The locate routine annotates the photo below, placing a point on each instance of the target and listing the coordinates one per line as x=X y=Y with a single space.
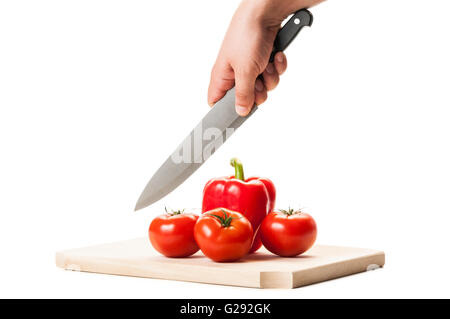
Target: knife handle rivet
x=297 y=21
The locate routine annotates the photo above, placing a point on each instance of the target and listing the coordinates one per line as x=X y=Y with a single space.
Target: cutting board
x=137 y=258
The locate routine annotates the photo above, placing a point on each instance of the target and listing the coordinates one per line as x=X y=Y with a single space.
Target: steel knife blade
x=213 y=130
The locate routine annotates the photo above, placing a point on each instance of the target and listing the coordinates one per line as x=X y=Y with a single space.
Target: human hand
x=245 y=52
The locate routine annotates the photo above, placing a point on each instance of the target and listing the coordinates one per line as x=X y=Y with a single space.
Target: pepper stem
x=238 y=168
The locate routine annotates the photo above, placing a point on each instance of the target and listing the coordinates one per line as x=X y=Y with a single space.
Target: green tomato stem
x=290 y=211
x=173 y=212
x=225 y=220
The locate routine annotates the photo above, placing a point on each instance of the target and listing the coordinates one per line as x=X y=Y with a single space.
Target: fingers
x=274 y=70
x=280 y=62
x=222 y=80
x=271 y=77
x=245 y=91
x=249 y=88
x=260 y=92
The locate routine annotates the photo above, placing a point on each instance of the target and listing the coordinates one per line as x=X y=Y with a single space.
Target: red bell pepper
x=253 y=197
x=270 y=187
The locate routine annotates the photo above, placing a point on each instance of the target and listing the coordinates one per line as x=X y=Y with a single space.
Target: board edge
x=338 y=269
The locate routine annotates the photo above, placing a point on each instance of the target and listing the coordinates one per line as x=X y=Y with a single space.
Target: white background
x=94 y=95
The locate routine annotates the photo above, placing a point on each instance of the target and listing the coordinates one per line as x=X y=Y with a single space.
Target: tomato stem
x=225 y=221
x=238 y=168
x=290 y=211
x=173 y=212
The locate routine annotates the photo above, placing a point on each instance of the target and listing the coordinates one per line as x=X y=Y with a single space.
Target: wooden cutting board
x=137 y=258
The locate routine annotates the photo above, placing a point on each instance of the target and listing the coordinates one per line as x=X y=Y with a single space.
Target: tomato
x=288 y=233
x=223 y=235
x=172 y=234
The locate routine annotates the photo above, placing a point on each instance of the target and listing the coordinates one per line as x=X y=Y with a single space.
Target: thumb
x=245 y=91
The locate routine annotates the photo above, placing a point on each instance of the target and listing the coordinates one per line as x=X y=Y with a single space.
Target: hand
x=245 y=53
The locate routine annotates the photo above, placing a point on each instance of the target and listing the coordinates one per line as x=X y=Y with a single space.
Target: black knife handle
x=289 y=31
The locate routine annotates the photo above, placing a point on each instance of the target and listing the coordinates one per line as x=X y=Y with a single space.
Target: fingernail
x=280 y=58
x=270 y=69
x=259 y=86
x=241 y=110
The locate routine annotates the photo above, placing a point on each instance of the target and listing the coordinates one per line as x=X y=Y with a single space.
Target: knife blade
x=213 y=130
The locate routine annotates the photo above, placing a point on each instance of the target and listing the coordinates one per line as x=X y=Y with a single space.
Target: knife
x=213 y=130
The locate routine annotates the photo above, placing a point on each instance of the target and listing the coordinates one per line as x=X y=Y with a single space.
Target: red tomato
x=172 y=234
x=288 y=233
x=223 y=235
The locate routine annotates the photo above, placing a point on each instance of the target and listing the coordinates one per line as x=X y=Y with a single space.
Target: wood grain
x=137 y=258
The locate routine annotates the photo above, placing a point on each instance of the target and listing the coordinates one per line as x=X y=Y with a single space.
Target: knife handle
x=284 y=37
x=289 y=31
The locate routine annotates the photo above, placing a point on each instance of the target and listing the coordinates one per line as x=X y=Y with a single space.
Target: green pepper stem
x=238 y=168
